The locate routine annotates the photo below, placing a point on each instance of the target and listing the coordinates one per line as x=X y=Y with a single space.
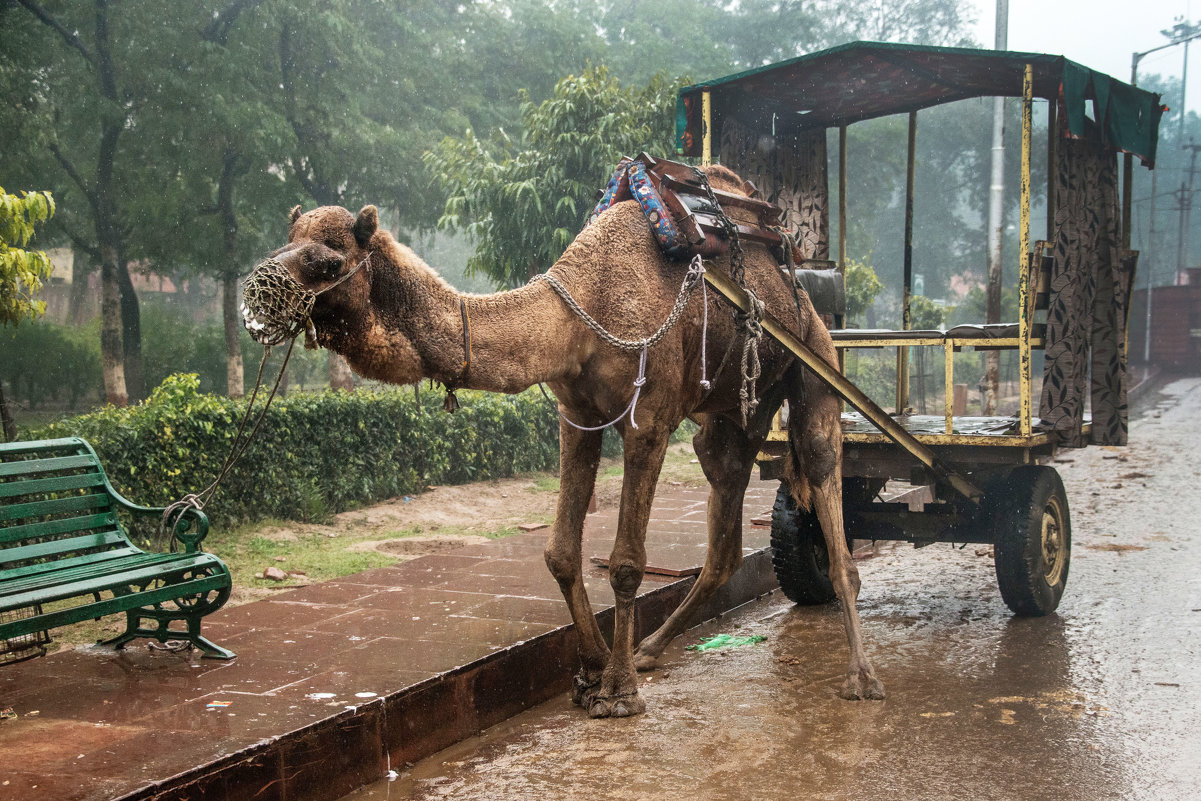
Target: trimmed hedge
x=317 y=453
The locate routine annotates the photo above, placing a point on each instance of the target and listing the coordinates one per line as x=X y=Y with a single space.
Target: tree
x=82 y=103
x=524 y=201
x=21 y=270
x=862 y=288
x=207 y=210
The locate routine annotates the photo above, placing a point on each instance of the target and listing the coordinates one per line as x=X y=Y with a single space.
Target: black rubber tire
x=798 y=553
x=1032 y=546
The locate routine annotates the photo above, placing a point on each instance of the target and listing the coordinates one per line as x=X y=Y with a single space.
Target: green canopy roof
x=863 y=80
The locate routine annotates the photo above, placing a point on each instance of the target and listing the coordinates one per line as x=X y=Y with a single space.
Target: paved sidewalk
x=335 y=682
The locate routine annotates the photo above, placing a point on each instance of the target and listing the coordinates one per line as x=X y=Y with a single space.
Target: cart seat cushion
x=825 y=289
x=859 y=334
x=991 y=331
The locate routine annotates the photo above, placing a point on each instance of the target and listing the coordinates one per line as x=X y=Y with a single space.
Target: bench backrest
x=55 y=507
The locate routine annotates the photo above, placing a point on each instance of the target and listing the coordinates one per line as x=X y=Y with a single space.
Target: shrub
x=47 y=364
x=316 y=453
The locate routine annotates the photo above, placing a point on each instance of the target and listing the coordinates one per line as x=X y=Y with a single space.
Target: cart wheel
x=798 y=552
x=1033 y=539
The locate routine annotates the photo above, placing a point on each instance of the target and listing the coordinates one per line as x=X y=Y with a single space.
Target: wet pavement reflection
x=1098 y=701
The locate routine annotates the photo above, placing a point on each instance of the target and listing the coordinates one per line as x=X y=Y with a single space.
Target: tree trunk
x=131 y=334
x=78 y=309
x=112 y=356
x=235 y=380
x=234 y=377
x=6 y=419
x=991 y=383
x=340 y=376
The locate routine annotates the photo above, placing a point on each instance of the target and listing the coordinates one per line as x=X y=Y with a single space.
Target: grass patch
x=500 y=534
x=544 y=483
x=319 y=556
x=680 y=465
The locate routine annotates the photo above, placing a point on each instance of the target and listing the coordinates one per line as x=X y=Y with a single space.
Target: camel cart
x=948 y=477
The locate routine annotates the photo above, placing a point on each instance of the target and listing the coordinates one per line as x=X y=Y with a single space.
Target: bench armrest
x=191 y=525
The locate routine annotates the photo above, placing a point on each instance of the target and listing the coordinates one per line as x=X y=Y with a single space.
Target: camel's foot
x=862 y=685
x=645 y=659
x=617 y=706
x=584 y=688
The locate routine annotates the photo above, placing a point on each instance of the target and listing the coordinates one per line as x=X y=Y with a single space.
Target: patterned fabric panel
x=1110 y=413
x=617 y=189
x=664 y=227
x=790 y=171
x=1090 y=287
x=630 y=181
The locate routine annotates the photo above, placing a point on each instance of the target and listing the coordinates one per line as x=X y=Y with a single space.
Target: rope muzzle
x=275 y=307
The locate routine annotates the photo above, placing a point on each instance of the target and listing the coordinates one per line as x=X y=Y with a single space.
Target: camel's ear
x=294 y=215
x=365 y=225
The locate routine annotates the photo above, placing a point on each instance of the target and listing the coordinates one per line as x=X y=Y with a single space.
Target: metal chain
x=750 y=323
x=691 y=278
x=737 y=265
x=695 y=275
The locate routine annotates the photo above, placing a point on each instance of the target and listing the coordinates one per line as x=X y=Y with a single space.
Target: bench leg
x=162 y=632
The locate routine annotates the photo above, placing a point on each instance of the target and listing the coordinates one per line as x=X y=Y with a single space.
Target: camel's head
x=318 y=275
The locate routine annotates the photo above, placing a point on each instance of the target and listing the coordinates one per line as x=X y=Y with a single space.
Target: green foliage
x=53 y=366
x=971 y=308
x=523 y=202
x=175 y=344
x=47 y=364
x=925 y=314
x=863 y=286
x=22 y=271
x=316 y=453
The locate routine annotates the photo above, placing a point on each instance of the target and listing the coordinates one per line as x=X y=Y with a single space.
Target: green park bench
x=65 y=557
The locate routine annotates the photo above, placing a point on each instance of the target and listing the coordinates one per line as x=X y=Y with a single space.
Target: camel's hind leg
x=644 y=450
x=726 y=454
x=579 y=456
x=816 y=436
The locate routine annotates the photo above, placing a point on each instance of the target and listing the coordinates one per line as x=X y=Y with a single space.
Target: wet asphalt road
x=1099 y=701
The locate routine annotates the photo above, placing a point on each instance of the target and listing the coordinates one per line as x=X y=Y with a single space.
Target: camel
x=395 y=320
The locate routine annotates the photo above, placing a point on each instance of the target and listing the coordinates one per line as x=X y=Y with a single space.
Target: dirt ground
x=447 y=517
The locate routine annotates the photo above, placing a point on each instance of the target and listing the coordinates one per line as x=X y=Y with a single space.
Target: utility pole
x=996 y=206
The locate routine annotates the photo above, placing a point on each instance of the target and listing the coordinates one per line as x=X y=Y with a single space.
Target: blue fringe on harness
x=630 y=181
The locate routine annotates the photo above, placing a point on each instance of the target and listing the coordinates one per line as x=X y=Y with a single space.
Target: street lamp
x=1181 y=33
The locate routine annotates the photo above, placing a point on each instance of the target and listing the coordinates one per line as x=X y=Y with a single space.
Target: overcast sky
x=1101 y=34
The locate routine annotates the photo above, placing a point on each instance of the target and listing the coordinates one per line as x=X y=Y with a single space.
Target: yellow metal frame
x=1023 y=343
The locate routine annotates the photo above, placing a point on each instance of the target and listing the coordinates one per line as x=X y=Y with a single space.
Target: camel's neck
x=413 y=329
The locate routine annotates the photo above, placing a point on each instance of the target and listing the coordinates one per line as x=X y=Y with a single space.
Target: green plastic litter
x=724 y=641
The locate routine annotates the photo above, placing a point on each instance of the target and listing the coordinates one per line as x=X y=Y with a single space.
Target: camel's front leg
x=579 y=455
x=726 y=455
x=644 y=451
